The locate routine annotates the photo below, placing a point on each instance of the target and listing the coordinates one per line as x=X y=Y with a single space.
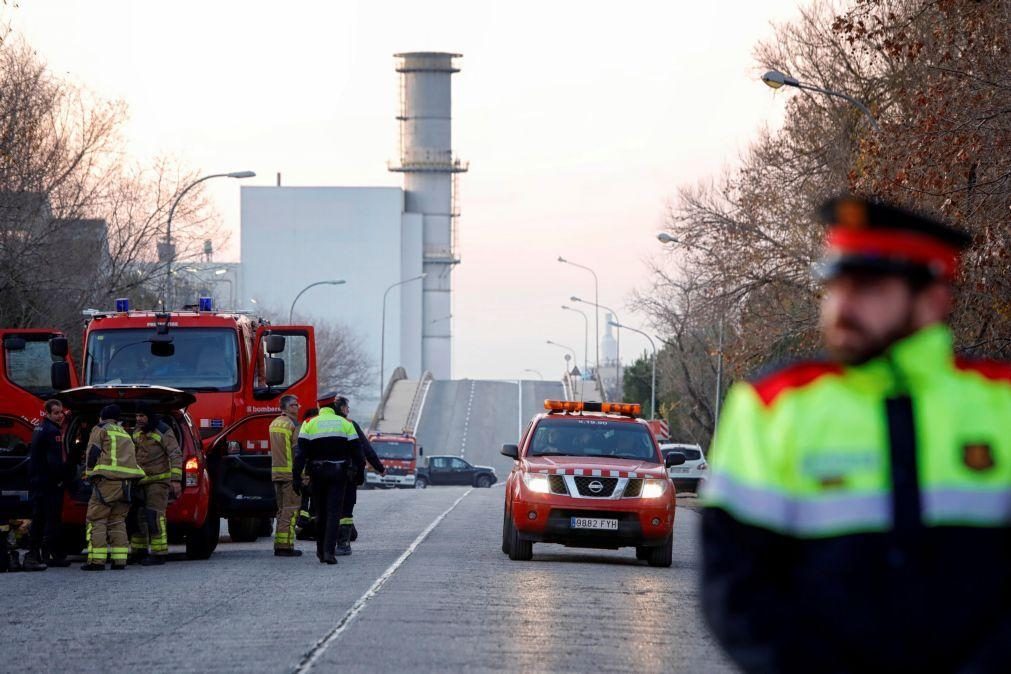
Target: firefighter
x=47 y=471
x=328 y=446
x=159 y=456
x=858 y=512
x=283 y=432
x=112 y=469
x=347 y=532
x=305 y=525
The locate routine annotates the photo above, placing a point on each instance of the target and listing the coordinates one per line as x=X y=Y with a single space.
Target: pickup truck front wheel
x=421 y=483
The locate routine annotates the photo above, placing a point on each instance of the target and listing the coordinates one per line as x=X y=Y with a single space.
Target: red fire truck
x=236 y=366
x=399 y=454
x=26 y=371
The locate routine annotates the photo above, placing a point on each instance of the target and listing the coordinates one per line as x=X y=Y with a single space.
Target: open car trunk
x=86 y=403
x=15 y=440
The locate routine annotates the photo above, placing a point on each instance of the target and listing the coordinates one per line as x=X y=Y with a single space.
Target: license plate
x=679 y=470
x=593 y=523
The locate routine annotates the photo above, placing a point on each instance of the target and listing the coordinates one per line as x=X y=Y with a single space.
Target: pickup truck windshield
x=402 y=451
x=205 y=359
x=593 y=438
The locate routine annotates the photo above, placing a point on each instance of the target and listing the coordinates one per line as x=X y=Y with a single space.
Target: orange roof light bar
x=624 y=409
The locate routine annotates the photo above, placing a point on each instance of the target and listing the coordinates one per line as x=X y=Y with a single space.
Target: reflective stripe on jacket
x=117 y=459
x=158 y=454
x=282 y=437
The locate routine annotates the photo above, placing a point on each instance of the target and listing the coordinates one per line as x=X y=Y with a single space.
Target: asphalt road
x=473 y=419
x=455 y=603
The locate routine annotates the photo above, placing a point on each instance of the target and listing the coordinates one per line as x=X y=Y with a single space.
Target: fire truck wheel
x=244 y=529
x=664 y=555
x=201 y=541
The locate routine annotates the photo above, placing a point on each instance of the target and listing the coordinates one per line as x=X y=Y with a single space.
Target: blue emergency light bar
x=205 y=304
x=122 y=305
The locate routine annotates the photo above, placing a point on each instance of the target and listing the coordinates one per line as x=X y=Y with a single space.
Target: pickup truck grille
x=634 y=488
x=606 y=486
x=557 y=483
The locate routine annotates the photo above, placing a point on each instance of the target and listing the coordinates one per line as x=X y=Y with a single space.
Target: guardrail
x=418 y=403
x=398 y=374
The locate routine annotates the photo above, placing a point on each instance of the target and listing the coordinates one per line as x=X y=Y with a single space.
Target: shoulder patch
x=794 y=376
x=993 y=370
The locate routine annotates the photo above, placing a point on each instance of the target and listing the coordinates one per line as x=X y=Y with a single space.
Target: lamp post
x=536 y=372
x=596 y=298
x=169 y=249
x=617 y=342
x=586 y=337
x=382 y=336
x=775 y=79
x=291 y=311
x=652 y=386
x=664 y=237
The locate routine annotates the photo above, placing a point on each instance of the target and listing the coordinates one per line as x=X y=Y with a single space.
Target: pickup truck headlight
x=538 y=484
x=654 y=488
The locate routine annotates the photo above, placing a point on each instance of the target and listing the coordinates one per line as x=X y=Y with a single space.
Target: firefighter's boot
x=343 y=541
x=54 y=558
x=33 y=561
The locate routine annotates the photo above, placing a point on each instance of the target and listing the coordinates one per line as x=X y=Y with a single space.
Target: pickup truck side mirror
x=674 y=459
x=59 y=375
x=512 y=451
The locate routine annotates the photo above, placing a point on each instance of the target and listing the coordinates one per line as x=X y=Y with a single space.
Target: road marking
x=466 y=421
x=310 y=658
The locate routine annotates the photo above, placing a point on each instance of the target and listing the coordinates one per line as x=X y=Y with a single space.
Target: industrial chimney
x=430 y=172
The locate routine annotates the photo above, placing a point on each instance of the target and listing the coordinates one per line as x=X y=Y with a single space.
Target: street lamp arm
x=652 y=409
x=291 y=311
x=828 y=92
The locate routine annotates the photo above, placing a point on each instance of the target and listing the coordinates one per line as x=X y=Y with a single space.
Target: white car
x=692 y=471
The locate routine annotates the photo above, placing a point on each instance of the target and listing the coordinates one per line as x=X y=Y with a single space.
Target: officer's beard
x=869 y=343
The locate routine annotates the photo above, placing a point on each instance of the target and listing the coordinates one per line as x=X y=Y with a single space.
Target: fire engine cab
x=399 y=454
x=589 y=474
x=236 y=367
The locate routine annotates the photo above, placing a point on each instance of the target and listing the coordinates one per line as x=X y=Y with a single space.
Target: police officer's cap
x=869 y=235
x=327 y=398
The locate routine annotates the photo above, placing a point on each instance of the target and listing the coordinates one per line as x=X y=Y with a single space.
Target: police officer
x=112 y=469
x=347 y=532
x=858 y=513
x=47 y=471
x=328 y=446
x=283 y=432
x=159 y=456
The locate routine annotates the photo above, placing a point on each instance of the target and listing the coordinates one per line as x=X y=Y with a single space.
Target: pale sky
x=579 y=119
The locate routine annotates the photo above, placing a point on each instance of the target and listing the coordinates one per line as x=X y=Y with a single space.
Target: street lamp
x=169 y=250
x=664 y=237
x=291 y=311
x=652 y=386
x=775 y=79
x=586 y=337
x=382 y=337
x=568 y=348
x=536 y=372
x=596 y=297
x=617 y=341
x=437 y=320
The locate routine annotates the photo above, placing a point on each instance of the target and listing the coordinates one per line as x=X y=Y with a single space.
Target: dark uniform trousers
x=47 y=505
x=329 y=481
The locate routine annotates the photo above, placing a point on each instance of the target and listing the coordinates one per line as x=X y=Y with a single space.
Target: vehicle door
x=285 y=365
x=460 y=472
x=439 y=470
x=15 y=440
x=239 y=464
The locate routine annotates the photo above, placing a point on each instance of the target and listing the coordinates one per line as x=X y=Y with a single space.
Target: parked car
x=446 y=470
x=693 y=471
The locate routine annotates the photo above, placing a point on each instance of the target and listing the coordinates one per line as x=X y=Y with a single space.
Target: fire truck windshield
x=402 y=451
x=205 y=359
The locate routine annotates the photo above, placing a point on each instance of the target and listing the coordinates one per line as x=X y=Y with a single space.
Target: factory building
x=397 y=244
